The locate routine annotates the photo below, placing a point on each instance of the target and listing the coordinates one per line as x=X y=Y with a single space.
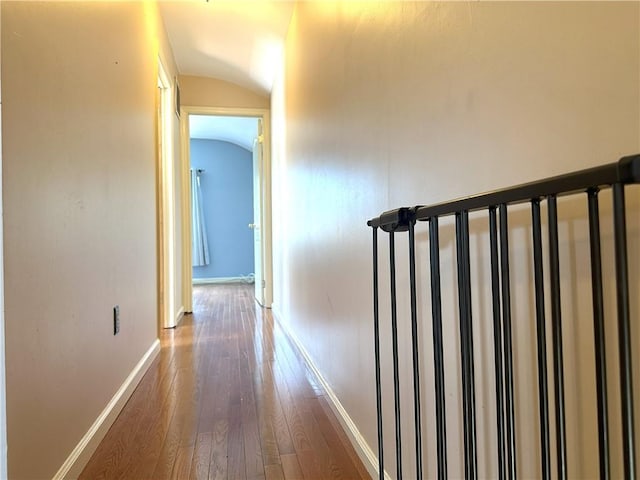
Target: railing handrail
x=625 y=171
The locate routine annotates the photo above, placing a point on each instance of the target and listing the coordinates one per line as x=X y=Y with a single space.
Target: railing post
x=510 y=439
x=556 y=319
x=438 y=356
x=497 y=340
x=394 y=340
x=414 y=344
x=599 y=332
x=376 y=335
x=624 y=331
x=543 y=394
x=466 y=343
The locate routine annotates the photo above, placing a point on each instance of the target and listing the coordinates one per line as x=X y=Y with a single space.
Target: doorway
x=166 y=204
x=233 y=242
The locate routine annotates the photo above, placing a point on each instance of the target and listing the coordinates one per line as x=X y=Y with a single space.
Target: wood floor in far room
x=227 y=398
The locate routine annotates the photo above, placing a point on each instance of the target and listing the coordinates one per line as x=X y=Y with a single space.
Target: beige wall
x=212 y=92
x=392 y=104
x=79 y=89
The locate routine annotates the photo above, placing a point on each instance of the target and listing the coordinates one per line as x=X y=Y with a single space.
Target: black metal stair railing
x=586 y=182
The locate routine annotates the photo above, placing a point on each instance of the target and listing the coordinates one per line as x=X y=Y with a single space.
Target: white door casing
x=265 y=197
x=257 y=215
x=166 y=214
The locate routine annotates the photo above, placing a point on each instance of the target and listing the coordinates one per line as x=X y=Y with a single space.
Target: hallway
x=227 y=398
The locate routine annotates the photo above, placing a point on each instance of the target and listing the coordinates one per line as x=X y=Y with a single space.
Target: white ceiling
x=239 y=130
x=239 y=41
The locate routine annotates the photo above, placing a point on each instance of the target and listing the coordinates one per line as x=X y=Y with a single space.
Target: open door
x=257 y=214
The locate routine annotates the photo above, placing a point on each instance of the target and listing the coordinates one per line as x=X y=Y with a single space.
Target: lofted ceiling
x=238 y=130
x=239 y=41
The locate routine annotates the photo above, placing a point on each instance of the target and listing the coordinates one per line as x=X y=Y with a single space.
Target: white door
x=257 y=214
x=166 y=219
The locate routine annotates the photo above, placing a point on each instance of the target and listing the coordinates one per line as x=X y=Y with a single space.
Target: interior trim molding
x=77 y=460
x=362 y=448
x=267 y=253
x=207 y=281
x=179 y=315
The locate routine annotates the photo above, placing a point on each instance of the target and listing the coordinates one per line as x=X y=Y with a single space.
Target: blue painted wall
x=227 y=196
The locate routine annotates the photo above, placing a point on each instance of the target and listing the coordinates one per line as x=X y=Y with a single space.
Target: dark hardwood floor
x=227 y=398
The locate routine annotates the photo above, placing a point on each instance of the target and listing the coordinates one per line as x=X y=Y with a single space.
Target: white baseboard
x=80 y=455
x=179 y=315
x=367 y=456
x=207 y=281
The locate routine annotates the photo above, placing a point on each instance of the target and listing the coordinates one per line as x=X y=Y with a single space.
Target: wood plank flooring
x=227 y=398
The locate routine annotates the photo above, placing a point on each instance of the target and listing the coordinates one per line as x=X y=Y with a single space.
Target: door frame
x=185 y=157
x=165 y=182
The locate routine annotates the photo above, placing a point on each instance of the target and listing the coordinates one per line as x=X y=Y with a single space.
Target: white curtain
x=199 y=244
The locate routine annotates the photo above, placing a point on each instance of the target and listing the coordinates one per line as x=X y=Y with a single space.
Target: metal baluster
x=497 y=338
x=463 y=345
x=624 y=331
x=510 y=439
x=438 y=357
x=414 y=344
x=556 y=319
x=541 y=335
x=470 y=358
x=466 y=342
x=394 y=340
x=599 y=333
x=376 y=334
